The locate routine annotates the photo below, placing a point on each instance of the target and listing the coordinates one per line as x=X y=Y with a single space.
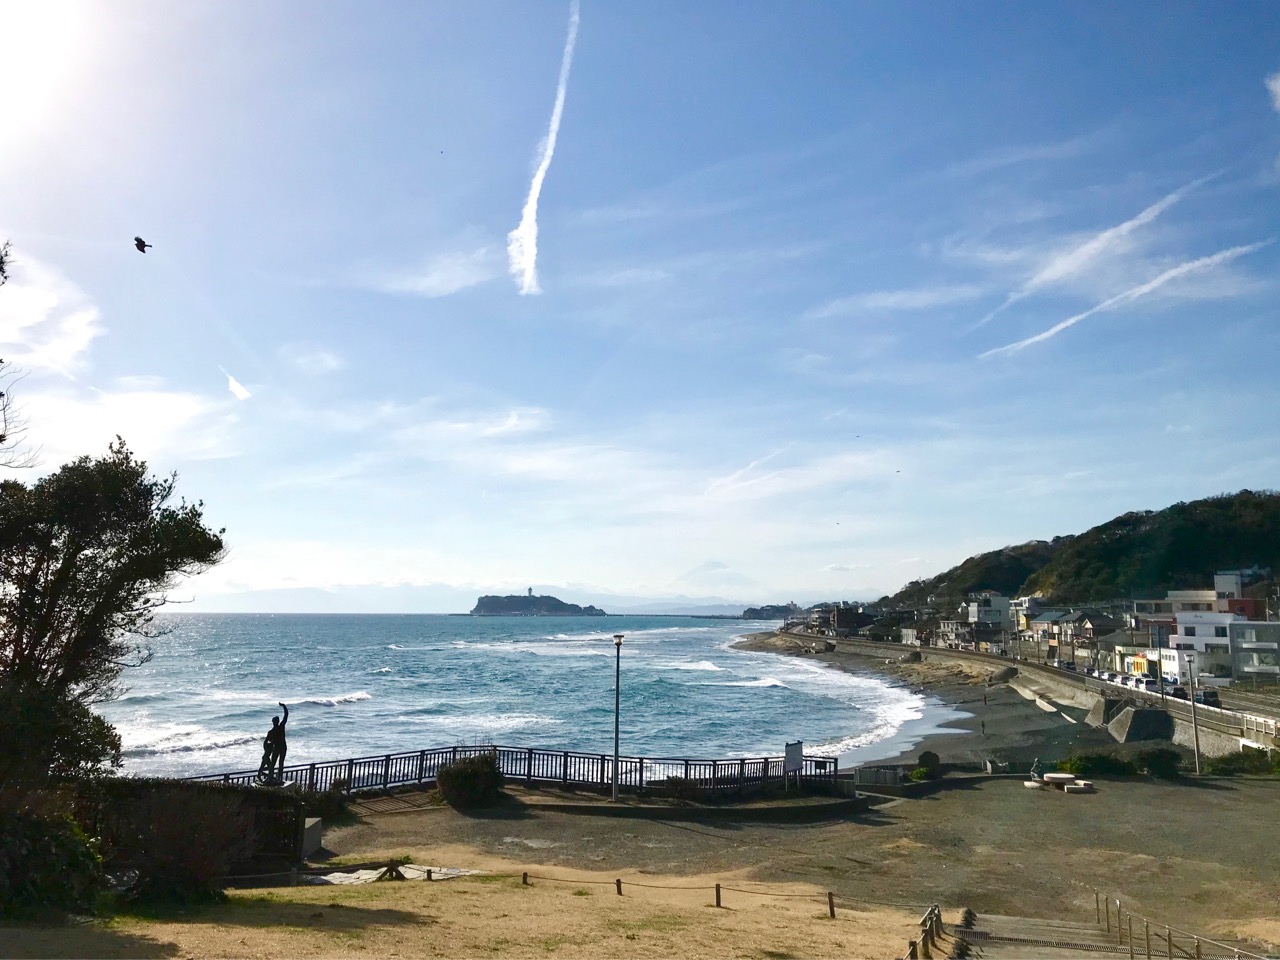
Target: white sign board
x=793 y=761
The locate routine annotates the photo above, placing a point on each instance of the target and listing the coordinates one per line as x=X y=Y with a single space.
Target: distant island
x=531 y=606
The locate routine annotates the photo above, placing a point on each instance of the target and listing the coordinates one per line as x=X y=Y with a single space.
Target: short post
x=641 y=762
x=1106 y=909
x=311 y=777
x=1130 y=937
x=351 y=764
x=1168 y=942
x=429 y=875
x=831 y=904
x=603 y=761
x=386 y=771
x=564 y=768
x=1146 y=934
x=911 y=951
x=422 y=765
x=528 y=766
x=618 y=884
x=524 y=878
x=717 y=894
x=1197 y=948
x=1097 y=907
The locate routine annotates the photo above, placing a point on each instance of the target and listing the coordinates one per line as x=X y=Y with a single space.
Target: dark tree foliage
x=51 y=735
x=86 y=555
x=1177 y=548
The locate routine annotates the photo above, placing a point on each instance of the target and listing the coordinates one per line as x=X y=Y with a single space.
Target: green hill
x=1003 y=571
x=1141 y=553
x=1173 y=549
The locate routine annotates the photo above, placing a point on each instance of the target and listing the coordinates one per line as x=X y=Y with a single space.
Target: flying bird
x=142 y=246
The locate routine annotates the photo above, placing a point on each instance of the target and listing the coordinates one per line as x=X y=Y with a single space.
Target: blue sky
x=828 y=296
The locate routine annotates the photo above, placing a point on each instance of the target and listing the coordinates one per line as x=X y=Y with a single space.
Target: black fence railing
x=533 y=765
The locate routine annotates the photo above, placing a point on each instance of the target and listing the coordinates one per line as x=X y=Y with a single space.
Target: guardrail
x=1173 y=943
x=930 y=930
x=534 y=765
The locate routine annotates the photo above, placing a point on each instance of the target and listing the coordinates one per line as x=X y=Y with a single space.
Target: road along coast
x=1000 y=718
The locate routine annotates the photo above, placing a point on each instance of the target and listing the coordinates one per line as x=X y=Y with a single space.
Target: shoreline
x=971 y=712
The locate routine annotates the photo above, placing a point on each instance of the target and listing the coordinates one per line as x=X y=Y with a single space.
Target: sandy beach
x=990 y=719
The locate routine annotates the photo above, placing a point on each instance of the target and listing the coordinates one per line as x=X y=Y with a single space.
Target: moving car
x=1208 y=697
x=1179 y=692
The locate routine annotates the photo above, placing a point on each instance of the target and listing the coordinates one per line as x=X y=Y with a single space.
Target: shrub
x=471 y=782
x=931 y=762
x=46 y=864
x=968 y=918
x=920 y=773
x=181 y=843
x=1159 y=762
x=1247 y=761
x=682 y=788
x=330 y=805
x=1097 y=765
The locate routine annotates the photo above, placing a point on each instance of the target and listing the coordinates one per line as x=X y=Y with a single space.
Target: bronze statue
x=271 y=769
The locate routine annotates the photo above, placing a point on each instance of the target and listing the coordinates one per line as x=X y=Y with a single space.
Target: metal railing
x=534 y=765
x=1170 y=941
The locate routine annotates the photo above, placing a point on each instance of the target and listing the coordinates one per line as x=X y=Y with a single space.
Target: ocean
x=364 y=685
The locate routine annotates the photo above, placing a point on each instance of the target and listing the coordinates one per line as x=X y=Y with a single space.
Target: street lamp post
x=617 y=703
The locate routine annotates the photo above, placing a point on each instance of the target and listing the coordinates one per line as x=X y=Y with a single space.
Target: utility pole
x=1195 y=723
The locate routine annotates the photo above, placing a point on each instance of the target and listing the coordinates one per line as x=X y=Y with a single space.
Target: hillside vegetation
x=1178 y=548
x=1003 y=571
x=1140 y=553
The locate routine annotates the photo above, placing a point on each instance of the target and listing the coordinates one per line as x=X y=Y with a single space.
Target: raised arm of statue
x=285 y=718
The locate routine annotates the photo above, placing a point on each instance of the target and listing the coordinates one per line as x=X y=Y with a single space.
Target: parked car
x=1208 y=697
x=1151 y=686
x=1113 y=677
x=1179 y=692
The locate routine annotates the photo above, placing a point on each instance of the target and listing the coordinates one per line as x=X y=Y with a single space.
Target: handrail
x=1236 y=953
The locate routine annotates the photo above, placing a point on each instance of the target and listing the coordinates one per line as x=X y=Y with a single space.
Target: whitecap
x=341 y=698
x=394 y=646
x=700 y=665
x=380 y=670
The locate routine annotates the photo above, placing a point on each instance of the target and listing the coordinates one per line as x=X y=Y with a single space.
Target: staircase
x=1028 y=938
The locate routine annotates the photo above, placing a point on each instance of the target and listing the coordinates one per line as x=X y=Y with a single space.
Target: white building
x=992 y=610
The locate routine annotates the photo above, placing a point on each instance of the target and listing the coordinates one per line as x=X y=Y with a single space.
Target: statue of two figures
x=271 y=769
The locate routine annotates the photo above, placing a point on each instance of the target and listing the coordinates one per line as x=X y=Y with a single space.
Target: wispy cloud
x=236 y=387
x=922 y=298
x=1273 y=87
x=522 y=242
x=1070 y=263
x=311 y=359
x=1133 y=293
x=1011 y=156
x=46 y=321
x=444 y=274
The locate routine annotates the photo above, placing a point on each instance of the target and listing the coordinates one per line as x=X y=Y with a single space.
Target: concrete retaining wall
x=1212 y=742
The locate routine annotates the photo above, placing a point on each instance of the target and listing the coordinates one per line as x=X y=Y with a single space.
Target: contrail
x=522 y=242
x=1133 y=293
x=1067 y=264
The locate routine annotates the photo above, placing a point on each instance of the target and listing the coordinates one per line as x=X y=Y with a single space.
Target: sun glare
x=42 y=42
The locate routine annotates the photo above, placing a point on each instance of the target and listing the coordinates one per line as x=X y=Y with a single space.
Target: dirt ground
x=577 y=914
x=1198 y=855
x=1195 y=854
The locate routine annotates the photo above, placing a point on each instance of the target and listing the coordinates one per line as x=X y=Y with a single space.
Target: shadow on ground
x=80 y=940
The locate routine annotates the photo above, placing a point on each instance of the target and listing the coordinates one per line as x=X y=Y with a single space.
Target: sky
x=735 y=300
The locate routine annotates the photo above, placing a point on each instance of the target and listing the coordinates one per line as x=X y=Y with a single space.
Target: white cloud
x=522 y=242
x=157 y=424
x=921 y=298
x=46 y=322
x=311 y=359
x=444 y=274
x=1273 y=87
x=237 y=389
x=1132 y=294
x=1069 y=263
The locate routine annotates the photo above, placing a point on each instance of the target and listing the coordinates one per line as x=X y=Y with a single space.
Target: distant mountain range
x=1143 y=553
